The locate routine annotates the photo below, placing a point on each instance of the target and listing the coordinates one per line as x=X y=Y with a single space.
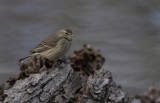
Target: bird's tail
x=25 y=57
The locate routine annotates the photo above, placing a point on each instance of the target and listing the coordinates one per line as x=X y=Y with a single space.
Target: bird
x=54 y=46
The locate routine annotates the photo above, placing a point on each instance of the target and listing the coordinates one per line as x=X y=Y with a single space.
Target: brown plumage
x=54 y=46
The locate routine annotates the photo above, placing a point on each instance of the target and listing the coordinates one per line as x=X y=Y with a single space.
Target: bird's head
x=65 y=33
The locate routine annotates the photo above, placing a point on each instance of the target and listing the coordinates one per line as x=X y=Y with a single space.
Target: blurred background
x=126 y=31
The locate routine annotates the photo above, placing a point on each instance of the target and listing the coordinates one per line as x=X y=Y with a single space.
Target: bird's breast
x=59 y=50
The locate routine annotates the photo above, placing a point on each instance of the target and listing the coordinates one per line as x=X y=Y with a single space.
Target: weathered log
x=62 y=85
x=83 y=82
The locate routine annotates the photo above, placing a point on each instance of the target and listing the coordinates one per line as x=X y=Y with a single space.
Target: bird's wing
x=48 y=43
x=39 y=48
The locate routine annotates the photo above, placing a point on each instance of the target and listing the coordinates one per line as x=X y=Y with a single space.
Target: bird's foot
x=63 y=60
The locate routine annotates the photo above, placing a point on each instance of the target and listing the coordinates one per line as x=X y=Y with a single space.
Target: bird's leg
x=63 y=59
x=60 y=62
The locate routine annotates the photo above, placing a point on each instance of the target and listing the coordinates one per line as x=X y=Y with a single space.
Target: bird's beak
x=73 y=36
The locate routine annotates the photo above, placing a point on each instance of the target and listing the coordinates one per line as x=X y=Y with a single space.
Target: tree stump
x=78 y=80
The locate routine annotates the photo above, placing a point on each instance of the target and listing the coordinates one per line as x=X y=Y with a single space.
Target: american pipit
x=54 y=46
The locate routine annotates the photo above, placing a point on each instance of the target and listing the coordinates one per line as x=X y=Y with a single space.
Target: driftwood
x=80 y=80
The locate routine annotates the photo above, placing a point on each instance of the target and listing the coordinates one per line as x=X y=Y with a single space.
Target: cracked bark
x=64 y=85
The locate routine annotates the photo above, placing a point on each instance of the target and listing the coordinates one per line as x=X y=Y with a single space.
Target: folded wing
x=48 y=43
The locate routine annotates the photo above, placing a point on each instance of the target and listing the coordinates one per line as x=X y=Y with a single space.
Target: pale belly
x=57 y=52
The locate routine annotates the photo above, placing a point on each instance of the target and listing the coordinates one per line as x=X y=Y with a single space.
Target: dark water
x=126 y=31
